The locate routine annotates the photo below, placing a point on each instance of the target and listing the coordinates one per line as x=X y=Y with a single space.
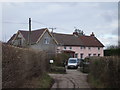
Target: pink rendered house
x=76 y=45
x=79 y=45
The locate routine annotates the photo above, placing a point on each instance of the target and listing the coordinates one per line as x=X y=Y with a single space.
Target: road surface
x=73 y=79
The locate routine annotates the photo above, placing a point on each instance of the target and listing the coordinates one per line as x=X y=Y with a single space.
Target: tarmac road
x=73 y=79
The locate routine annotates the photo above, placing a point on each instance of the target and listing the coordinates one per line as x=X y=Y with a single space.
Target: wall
x=86 y=51
x=51 y=47
x=19 y=65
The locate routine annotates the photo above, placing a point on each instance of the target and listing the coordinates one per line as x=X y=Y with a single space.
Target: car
x=72 y=63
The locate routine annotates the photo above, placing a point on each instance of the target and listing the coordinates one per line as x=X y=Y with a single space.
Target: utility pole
x=29 y=33
x=52 y=29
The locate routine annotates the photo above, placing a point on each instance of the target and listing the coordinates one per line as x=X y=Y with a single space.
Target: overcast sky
x=100 y=18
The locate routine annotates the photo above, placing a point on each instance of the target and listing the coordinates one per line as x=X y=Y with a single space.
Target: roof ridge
x=34 y=29
x=40 y=29
x=23 y=30
x=63 y=34
x=86 y=36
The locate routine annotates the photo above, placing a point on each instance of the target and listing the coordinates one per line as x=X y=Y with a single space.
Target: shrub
x=60 y=59
x=20 y=64
x=104 y=72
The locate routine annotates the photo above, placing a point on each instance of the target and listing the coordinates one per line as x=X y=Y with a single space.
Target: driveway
x=73 y=79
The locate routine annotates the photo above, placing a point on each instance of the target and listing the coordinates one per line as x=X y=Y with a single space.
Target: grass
x=44 y=81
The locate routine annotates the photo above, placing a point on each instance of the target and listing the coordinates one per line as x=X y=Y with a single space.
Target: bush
x=111 y=52
x=84 y=64
x=20 y=64
x=60 y=59
x=104 y=72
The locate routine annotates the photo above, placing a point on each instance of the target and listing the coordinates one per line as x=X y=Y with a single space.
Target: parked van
x=72 y=63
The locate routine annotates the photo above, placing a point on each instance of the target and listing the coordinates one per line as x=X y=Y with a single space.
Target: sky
x=98 y=17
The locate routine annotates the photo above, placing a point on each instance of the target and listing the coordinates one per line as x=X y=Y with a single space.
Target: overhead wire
x=35 y=21
x=49 y=25
x=14 y=22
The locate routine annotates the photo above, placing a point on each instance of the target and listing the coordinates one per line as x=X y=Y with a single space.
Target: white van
x=72 y=63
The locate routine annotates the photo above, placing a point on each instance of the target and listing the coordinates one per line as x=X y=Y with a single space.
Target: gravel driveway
x=73 y=79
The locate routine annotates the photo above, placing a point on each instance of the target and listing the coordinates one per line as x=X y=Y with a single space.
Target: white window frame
x=46 y=40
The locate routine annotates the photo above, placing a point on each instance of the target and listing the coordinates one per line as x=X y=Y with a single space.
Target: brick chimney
x=75 y=33
x=92 y=34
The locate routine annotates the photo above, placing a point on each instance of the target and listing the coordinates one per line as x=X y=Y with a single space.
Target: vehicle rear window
x=72 y=61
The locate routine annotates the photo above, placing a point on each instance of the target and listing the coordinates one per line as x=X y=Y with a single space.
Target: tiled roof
x=71 y=40
x=63 y=39
x=10 y=40
x=34 y=34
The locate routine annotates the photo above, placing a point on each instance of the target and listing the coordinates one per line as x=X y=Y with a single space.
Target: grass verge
x=44 y=81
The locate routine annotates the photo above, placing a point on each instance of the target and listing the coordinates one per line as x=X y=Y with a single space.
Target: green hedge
x=104 y=72
x=60 y=59
x=111 y=52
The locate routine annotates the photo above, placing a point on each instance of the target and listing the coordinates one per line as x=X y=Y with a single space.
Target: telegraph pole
x=29 y=33
x=52 y=29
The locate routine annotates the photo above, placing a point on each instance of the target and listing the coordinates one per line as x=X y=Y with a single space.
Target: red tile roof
x=34 y=34
x=71 y=40
x=63 y=39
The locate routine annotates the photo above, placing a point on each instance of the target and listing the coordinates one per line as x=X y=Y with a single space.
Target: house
x=40 y=39
x=76 y=45
x=79 y=45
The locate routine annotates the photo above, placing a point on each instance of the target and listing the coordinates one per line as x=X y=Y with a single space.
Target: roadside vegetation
x=24 y=68
x=84 y=65
x=104 y=72
x=112 y=51
x=58 y=66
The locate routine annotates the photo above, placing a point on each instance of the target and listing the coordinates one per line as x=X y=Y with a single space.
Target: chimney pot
x=92 y=34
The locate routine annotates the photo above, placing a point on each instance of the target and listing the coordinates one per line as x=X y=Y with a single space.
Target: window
x=58 y=50
x=64 y=47
x=89 y=55
x=46 y=40
x=98 y=55
x=94 y=54
x=76 y=55
x=89 y=48
x=70 y=47
x=98 y=48
x=82 y=47
x=19 y=40
x=81 y=55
